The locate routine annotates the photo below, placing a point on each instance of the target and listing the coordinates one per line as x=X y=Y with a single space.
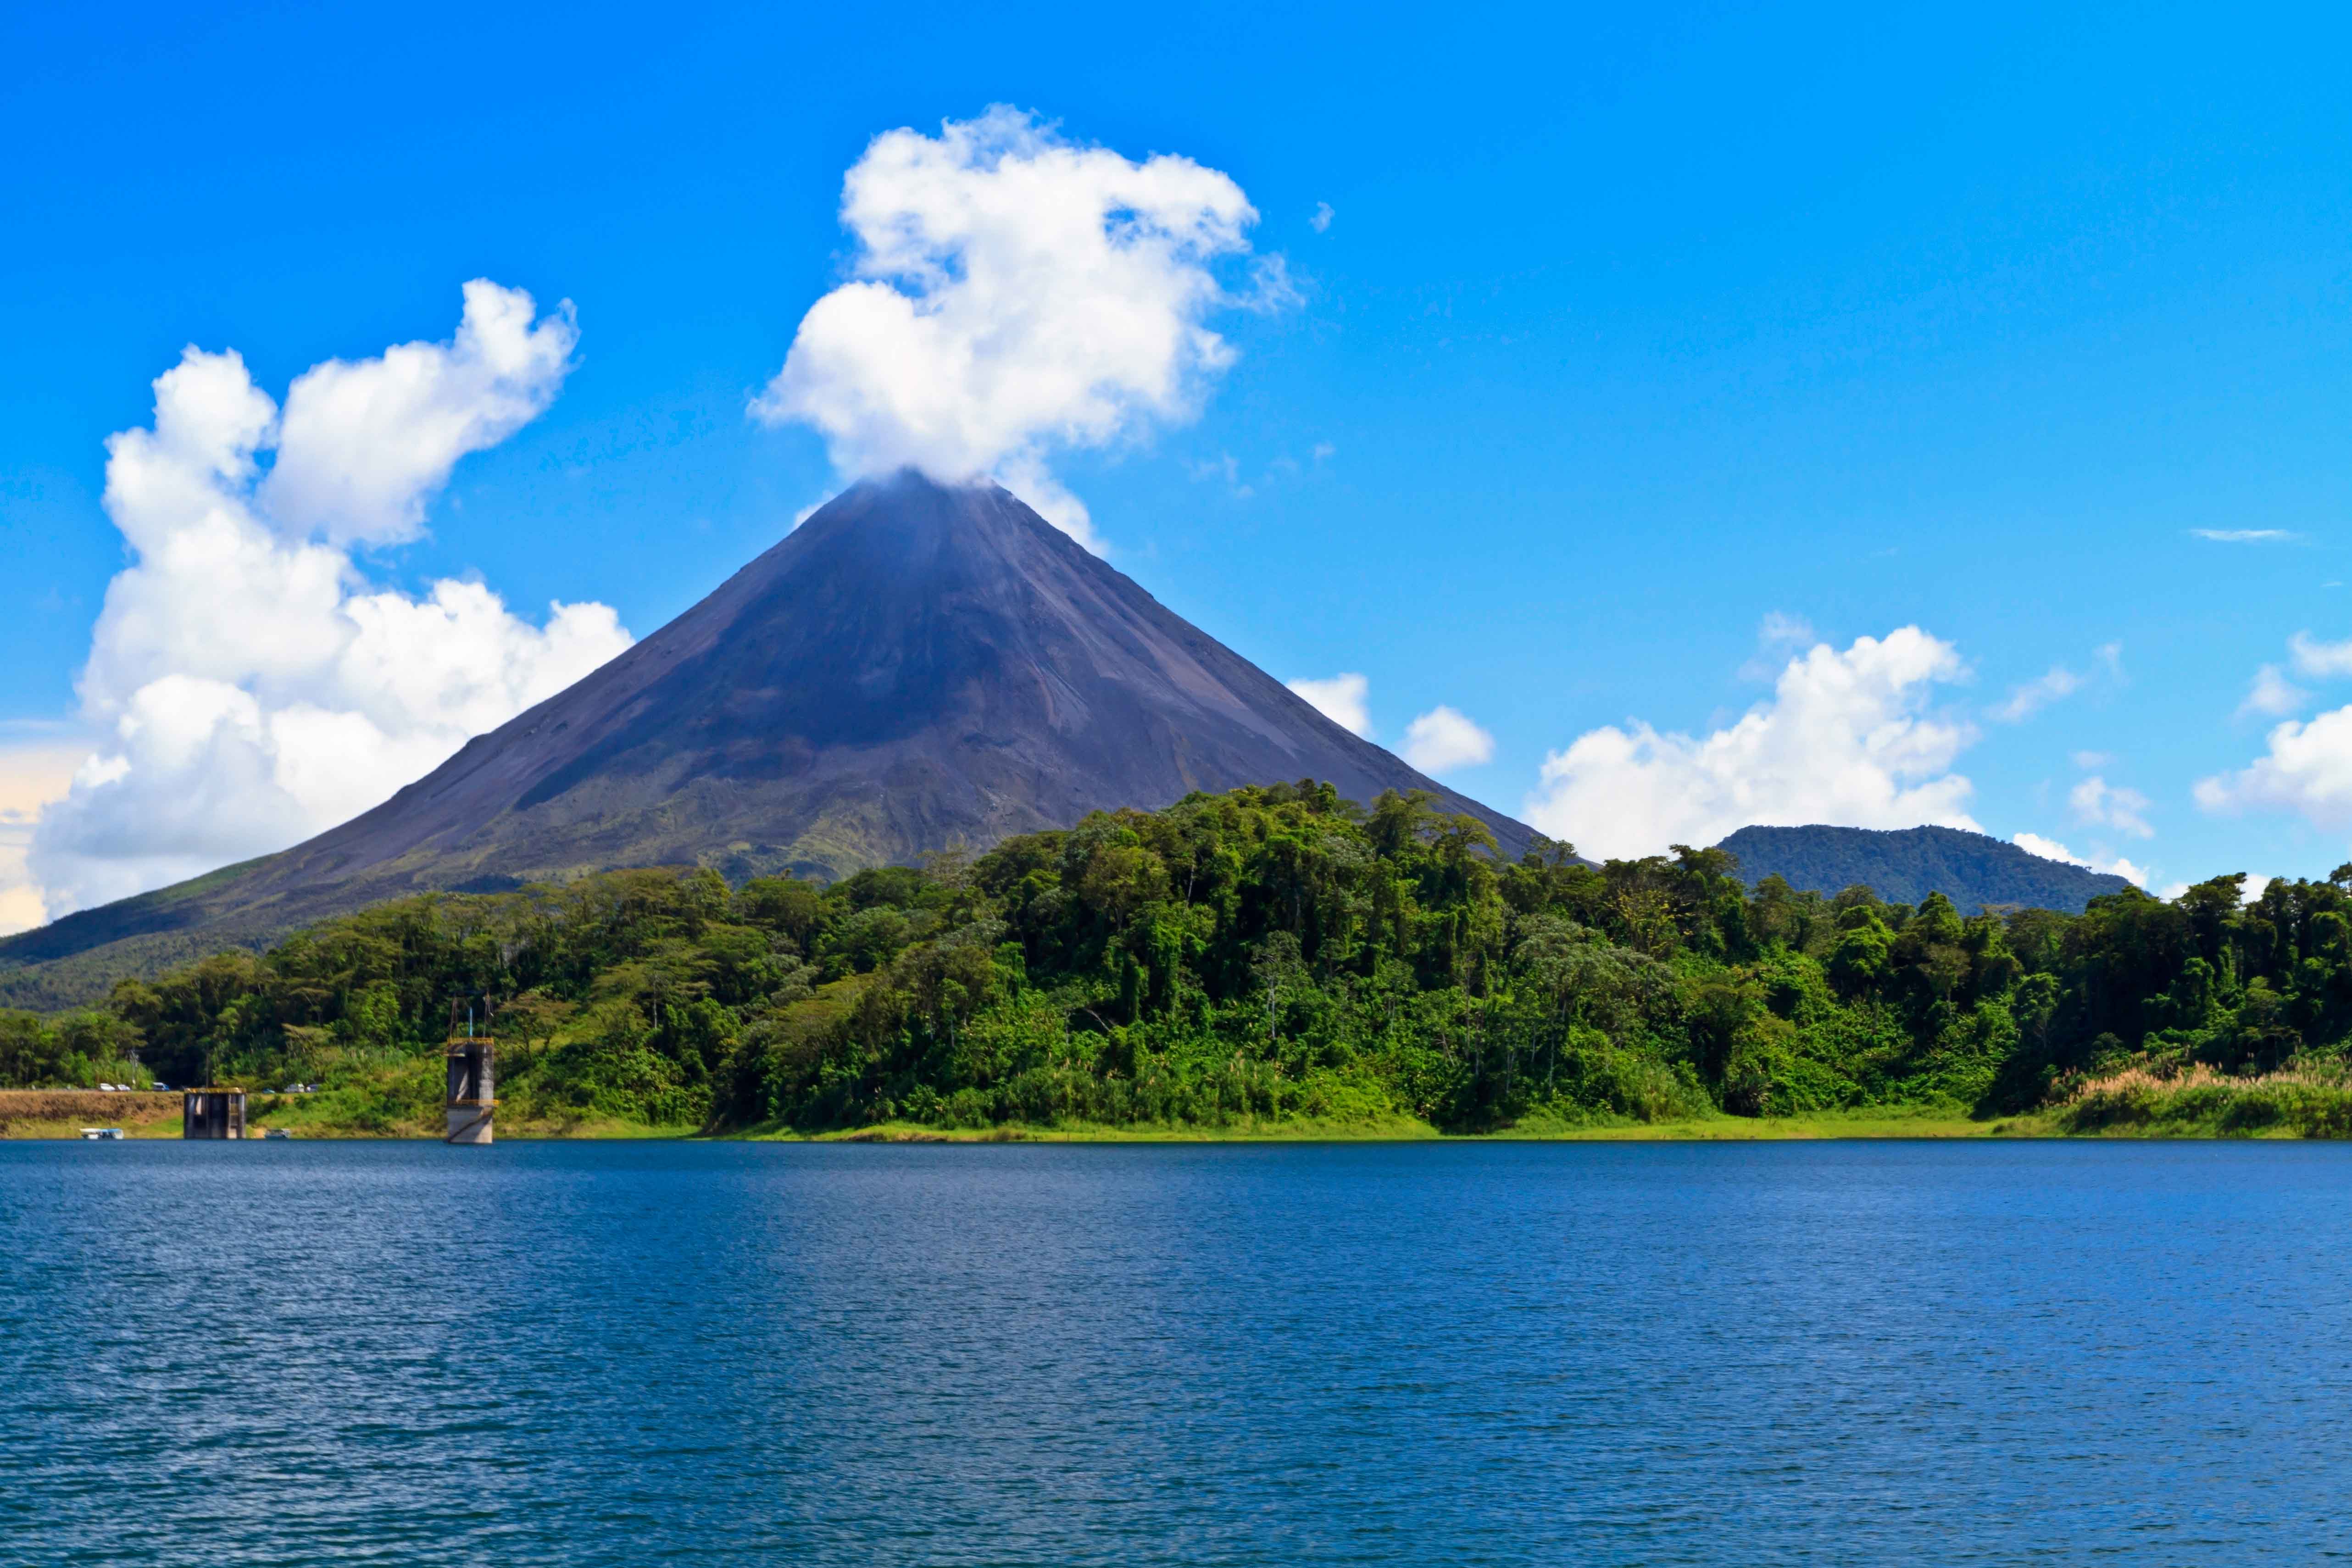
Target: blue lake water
x=293 y=1352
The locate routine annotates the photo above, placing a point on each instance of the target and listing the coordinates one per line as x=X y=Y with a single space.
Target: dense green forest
x=1271 y=954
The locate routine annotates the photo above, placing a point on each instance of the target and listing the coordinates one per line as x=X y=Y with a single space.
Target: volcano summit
x=915 y=666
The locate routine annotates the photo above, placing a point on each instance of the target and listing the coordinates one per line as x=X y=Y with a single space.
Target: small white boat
x=275 y=1132
x=101 y=1134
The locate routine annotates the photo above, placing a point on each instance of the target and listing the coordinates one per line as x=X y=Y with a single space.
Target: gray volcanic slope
x=915 y=666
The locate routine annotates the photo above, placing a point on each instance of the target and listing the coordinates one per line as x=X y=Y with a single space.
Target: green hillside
x=1904 y=865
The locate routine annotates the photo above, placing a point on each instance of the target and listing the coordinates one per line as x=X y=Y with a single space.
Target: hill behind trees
x=1905 y=864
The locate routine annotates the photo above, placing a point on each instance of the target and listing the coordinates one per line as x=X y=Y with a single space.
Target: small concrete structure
x=472 y=1090
x=214 y=1111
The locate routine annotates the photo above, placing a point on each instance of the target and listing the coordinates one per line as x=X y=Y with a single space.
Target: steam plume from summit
x=1014 y=294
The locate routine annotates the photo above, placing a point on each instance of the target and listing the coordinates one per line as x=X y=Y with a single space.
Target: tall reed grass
x=2306 y=1101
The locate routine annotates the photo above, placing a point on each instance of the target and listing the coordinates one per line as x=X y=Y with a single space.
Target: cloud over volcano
x=1013 y=294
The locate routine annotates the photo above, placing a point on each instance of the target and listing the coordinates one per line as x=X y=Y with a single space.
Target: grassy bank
x=63 y=1113
x=2198 y=1103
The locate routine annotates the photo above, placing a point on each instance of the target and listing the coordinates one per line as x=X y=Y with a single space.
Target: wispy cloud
x=2058 y=684
x=2026 y=700
x=1322 y=219
x=2103 y=804
x=2273 y=695
x=2244 y=535
x=1224 y=468
x=2319 y=660
x=1778 y=636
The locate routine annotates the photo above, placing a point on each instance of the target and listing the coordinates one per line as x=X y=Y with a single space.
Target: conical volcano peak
x=916 y=666
x=915 y=525
x=911 y=499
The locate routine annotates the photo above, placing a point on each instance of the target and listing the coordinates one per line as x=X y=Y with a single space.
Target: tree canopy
x=1271 y=952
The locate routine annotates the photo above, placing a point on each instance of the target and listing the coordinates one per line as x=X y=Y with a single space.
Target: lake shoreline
x=54 y=1114
x=64 y=1113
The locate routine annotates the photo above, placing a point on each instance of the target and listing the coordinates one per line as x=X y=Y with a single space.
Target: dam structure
x=472 y=1079
x=215 y=1111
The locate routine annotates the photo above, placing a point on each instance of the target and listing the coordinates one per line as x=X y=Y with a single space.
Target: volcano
x=915 y=668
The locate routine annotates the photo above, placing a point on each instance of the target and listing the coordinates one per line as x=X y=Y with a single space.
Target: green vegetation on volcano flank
x=1266 y=956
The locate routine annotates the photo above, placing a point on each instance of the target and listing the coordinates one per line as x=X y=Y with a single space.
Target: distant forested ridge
x=1905 y=864
x=1269 y=953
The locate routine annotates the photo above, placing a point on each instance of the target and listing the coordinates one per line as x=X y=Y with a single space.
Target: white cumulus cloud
x=362 y=447
x=35 y=771
x=1015 y=293
x=2307 y=769
x=1345 y=700
x=1847 y=738
x=1443 y=740
x=250 y=686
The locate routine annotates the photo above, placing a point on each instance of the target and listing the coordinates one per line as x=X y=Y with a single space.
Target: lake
x=293 y=1352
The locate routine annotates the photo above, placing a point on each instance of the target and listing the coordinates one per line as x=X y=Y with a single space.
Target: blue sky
x=1629 y=329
